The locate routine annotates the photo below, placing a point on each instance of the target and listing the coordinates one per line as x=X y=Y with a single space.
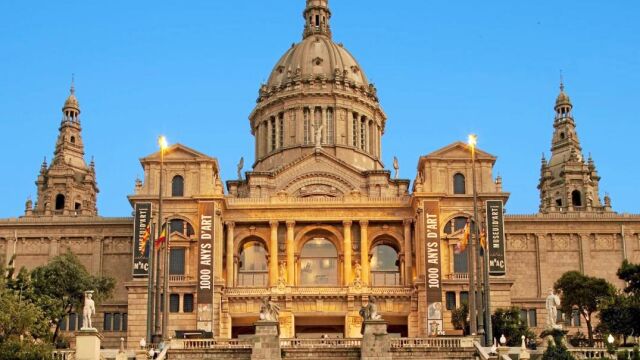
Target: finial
x=73 y=84
x=561 y=81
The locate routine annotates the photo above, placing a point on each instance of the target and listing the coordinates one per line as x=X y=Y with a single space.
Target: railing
x=436 y=342
x=458 y=276
x=180 y=278
x=589 y=353
x=66 y=354
x=363 y=198
x=210 y=344
x=320 y=343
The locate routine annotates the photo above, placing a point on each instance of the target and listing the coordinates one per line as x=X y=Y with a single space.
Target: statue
x=282 y=275
x=552 y=302
x=88 y=310
x=370 y=312
x=318 y=135
x=357 y=275
x=269 y=311
x=396 y=167
x=589 y=198
x=240 y=166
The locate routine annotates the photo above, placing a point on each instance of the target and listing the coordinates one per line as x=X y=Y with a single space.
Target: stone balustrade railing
x=435 y=342
x=189 y=344
x=381 y=292
x=399 y=200
x=458 y=276
x=179 y=278
x=589 y=353
x=320 y=343
x=65 y=354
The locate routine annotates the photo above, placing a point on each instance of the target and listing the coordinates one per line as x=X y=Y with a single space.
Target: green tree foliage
x=507 y=322
x=460 y=318
x=582 y=292
x=59 y=286
x=630 y=274
x=557 y=352
x=620 y=316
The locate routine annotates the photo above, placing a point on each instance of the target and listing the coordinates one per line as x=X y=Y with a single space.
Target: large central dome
x=317 y=98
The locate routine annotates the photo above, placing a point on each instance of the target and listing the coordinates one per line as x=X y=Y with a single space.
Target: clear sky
x=443 y=69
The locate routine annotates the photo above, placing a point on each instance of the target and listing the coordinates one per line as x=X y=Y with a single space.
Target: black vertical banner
x=205 y=265
x=140 y=247
x=433 y=267
x=495 y=237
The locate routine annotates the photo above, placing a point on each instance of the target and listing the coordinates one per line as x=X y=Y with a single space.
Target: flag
x=161 y=238
x=462 y=245
x=483 y=238
x=145 y=237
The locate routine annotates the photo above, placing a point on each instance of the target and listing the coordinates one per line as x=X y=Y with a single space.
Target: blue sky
x=192 y=69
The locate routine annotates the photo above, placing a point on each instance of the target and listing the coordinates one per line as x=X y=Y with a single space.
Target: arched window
x=318 y=263
x=73 y=139
x=458 y=184
x=252 y=265
x=385 y=269
x=363 y=133
x=177 y=186
x=576 y=198
x=59 y=202
x=460 y=258
x=181 y=226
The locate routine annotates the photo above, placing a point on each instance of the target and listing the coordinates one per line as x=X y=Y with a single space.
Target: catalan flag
x=462 y=245
x=161 y=238
x=145 y=238
x=483 y=238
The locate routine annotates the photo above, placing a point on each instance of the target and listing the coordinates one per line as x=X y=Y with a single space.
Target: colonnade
x=406 y=267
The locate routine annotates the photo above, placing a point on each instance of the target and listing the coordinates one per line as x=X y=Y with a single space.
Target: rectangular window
x=533 y=319
x=281 y=130
x=523 y=316
x=108 y=318
x=176 y=264
x=79 y=322
x=330 y=126
x=363 y=133
x=354 y=129
x=161 y=302
x=306 y=125
x=125 y=319
x=174 y=303
x=63 y=324
x=117 y=318
x=451 y=300
x=464 y=297
x=272 y=126
x=187 y=303
x=575 y=315
x=72 y=321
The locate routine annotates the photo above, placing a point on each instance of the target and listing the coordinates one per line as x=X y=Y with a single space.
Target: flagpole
x=476 y=243
x=487 y=291
x=473 y=315
x=162 y=142
x=150 y=285
x=165 y=288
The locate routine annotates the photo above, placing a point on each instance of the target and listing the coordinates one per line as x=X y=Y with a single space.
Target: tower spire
x=316 y=16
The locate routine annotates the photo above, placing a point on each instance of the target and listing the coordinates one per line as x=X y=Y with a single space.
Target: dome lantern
x=316 y=17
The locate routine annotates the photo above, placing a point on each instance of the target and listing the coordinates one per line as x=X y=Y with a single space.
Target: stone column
x=230 y=273
x=364 y=251
x=408 y=272
x=290 y=253
x=347 y=251
x=273 y=254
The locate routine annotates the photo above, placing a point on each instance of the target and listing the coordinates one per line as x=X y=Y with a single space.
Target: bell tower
x=68 y=186
x=568 y=182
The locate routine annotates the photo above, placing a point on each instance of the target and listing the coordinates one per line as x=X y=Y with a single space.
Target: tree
x=557 y=352
x=630 y=274
x=460 y=318
x=620 y=316
x=59 y=288
x=508 y=322
x=582 y=292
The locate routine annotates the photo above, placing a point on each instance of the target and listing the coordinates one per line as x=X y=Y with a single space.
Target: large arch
x=309 y=231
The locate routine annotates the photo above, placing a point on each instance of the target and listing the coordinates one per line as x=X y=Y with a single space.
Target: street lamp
x=162 y=142
x=473 y=315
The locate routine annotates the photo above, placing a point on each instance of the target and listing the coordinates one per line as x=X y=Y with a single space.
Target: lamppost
x=471 y=252
x=162 y=141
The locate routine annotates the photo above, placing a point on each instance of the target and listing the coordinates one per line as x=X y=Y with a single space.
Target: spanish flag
x=145 y=237
x=161 y=238
x=483 y=238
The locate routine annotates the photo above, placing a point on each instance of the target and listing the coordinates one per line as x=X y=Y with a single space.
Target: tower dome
x=317 y=97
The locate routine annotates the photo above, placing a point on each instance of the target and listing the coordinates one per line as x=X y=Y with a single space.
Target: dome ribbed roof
x=316 y=57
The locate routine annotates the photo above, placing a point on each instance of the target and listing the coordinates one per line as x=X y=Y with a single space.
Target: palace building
x=319 y=225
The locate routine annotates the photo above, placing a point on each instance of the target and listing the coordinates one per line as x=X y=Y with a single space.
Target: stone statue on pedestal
x=88 y=310
x=370 y=312
x=318 y=135
x=269 y=311
x=552 y=302
x=396 y=167
x=239 y=167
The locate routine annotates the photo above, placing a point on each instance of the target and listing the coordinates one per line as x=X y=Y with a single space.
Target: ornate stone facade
x=318 y=225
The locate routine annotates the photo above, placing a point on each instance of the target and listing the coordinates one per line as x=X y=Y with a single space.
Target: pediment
x=318 y=175
x=459 y=150
x=177 y=152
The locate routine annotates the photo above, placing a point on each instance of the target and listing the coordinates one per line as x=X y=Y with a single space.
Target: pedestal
x=375 y=341
x=88 y=344
x=266 y=342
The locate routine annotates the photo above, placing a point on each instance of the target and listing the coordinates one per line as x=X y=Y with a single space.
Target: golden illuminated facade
x=319 y=224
